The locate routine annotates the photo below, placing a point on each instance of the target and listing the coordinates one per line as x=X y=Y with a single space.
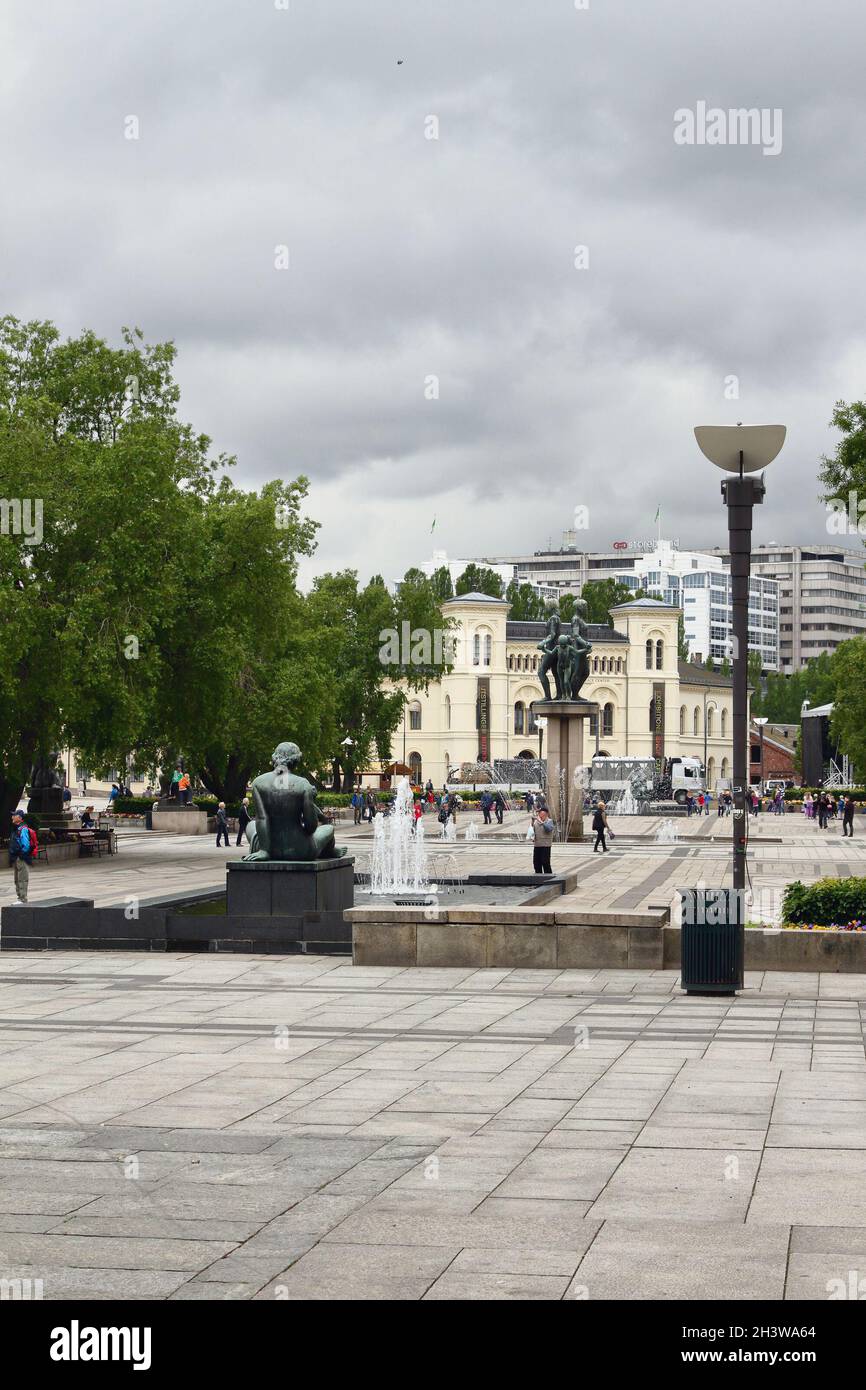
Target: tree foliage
x=478 y=579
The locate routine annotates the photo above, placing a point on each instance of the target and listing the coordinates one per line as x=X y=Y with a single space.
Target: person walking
x=700 y=804
x=499 y=807
x=599 y=825
x=822 y=812
x=848 y=818
x=542 y=829
x=808 y=806
x=112 y=796
x=22 y=847
x=244 y=819
x=184 y=789
x=222 y=824
x=486 y=805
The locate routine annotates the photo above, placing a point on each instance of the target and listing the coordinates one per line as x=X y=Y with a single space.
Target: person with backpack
x=486 y=806
x=23 y=846
x=222 y=824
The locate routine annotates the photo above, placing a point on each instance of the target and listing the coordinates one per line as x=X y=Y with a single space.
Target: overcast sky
x=410 y=258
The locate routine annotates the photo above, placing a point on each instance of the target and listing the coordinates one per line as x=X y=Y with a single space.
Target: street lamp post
x=540 y=723
x=741 y=450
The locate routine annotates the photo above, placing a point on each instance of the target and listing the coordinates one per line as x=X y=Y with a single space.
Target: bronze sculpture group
x=566 y=655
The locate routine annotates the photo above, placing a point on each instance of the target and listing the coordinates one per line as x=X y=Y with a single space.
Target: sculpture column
x=565 y=730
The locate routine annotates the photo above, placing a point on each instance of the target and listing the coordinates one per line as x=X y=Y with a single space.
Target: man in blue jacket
x=20 y=857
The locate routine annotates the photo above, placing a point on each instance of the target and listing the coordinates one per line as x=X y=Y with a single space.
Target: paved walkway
x=637 y=872
x=189 y=1127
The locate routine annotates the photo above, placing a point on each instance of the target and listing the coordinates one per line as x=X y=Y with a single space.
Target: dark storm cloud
x=412 y=258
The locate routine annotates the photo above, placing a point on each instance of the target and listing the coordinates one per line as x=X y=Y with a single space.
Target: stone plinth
x=279 y=888
x=564 y=741
x=181 y=820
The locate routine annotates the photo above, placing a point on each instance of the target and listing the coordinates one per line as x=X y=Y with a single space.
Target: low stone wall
x=776 y=948
x=526 y=938
x=181 y=822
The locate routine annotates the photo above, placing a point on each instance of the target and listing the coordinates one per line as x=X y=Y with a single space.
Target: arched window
x=476 y=650
x=447 y=711
x=619 y=665
x=649 y=653
x=527 y=754
x=595 y=663
x=415 y=715
x=652 y=715
x=696 y=722
x=710 y=713
x=535 y=663
x=519 y=711
x=593 y=725
x=511 y=663
x=682 y=719
x=711 y=772
x=531 y=721
x=724 y=768
x=607 y=721
x=488 y=649
x=660 y=654
x=415 y=764
x=724 y=722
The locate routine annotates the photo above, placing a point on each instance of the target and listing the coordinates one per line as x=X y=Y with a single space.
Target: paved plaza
x=203 y=1127
x=637 y=873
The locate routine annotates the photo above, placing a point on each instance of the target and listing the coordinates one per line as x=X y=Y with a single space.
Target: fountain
x=399 y=862
x=471 y=831
x=665 y=833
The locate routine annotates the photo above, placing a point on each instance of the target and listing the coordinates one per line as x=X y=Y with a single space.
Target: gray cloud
x=454 y=257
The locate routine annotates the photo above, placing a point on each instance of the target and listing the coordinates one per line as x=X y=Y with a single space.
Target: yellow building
x=651 y=704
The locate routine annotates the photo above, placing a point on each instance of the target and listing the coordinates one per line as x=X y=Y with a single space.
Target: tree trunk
x=227 y=781
x=336 y=779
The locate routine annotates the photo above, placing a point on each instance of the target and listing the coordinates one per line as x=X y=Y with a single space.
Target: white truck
x=640 y=779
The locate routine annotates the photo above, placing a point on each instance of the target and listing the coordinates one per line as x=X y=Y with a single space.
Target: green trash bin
x=711 y=940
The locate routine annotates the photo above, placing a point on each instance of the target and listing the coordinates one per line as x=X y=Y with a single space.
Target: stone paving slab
x=303 y=1129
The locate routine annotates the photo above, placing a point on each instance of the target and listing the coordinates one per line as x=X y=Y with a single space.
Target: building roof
x=474 y=598
x=819 y=711
x=646 y=603
x=518 y=630
x=693 y=674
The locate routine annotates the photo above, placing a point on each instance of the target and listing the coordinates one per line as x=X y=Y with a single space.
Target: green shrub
x=829 y=901
x=798 y=793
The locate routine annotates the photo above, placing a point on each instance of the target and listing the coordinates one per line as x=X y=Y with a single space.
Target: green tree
x=755 y=679
x=526 y=604
x=601 y=595
x=844 y=472
x=848 y=720
x=441 y=583
x=369 y=656
x=89 y=434
x=565 y=607
x=725 y=668
x=478 y=579
x=682 y=640
x=709 y=664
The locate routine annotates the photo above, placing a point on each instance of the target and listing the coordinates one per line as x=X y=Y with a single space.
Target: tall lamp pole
x=742 y=451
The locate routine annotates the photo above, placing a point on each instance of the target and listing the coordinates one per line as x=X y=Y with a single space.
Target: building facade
x=697 y=581
x=822 y=597
x=650 y=703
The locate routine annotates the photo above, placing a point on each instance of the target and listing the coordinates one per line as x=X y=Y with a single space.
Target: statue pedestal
x=564 y=738
x=295 y=905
